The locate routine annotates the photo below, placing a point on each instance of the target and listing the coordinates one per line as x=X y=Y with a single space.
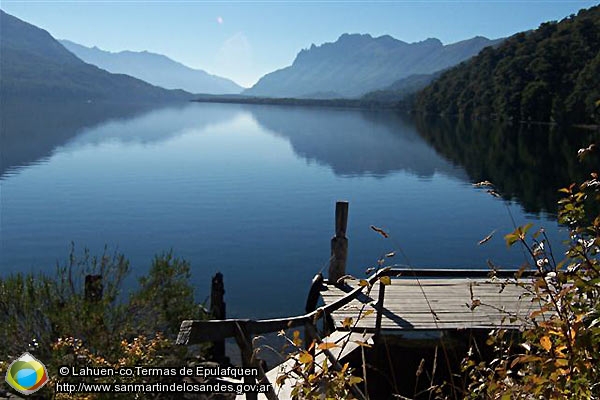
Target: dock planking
x=434 y=304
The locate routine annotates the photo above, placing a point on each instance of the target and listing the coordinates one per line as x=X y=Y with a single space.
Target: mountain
x=356 y=64
x=34 y=66
x=549 y=74
x=154 y=68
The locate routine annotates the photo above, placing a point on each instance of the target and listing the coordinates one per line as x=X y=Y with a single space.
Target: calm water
x=250 y=191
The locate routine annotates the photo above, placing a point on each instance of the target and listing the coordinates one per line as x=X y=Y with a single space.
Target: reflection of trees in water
x=354 y=142
x=526 y=163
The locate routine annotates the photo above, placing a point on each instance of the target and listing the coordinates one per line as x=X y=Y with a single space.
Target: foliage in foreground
x=558 y=353
x=51 y=318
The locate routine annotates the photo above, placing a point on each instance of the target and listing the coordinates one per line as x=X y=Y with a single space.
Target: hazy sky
x=243 y=40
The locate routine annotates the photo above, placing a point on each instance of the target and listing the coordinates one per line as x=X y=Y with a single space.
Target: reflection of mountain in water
x=30 y=132
x=355 y=143
x=158 y=125
x=529 y=164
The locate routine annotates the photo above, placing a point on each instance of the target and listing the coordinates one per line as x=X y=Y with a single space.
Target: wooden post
x=339 y=243
x=379 y=309
x=218 y=311
x=93 y=288
x=244 y=341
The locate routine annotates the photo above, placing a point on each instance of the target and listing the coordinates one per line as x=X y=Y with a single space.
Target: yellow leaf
x=347 y=322
x=305 y=358
x=546 y=343
x=558 y=351
x=355 y=379
x=297 y=341
x=385 y=280
x=511 y=239
x=344 y=368
x=363 y=282
x=561 y=362
x=361 y=343
x=327 y=346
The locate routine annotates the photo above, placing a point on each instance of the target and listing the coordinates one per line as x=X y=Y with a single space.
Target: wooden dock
x=417 y=304
x=392 y=301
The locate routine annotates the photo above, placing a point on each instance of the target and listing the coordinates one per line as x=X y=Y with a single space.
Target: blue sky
x=244 y=40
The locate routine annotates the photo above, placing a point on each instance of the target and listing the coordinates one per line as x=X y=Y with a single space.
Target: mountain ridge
x=154 y=68
x=356 y=64
x=36 y=67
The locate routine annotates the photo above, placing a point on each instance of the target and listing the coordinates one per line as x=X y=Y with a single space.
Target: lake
x=250 y=191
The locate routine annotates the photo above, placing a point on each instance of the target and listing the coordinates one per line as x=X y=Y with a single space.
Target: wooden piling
x=218 y=311
x=380 y=300
x=339 y=243
x=244 y=341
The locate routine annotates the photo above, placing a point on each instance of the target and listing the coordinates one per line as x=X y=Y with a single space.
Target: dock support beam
x=218 y=311
x=380 y=300
x=339 y=243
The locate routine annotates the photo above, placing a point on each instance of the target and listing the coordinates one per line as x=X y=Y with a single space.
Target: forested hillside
x=549 y=74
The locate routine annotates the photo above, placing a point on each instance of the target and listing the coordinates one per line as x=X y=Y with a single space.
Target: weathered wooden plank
x=198 y=331
x=402 y=292
x=408 y=304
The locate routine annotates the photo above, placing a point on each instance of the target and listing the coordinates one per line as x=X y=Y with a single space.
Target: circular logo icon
x=27 y=374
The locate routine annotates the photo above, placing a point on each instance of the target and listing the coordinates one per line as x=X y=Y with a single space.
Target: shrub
x=558 y=353
x=51 y=318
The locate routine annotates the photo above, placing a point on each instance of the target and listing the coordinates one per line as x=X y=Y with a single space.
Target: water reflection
x=228 y=188
x=526 y=163
x=355 y=143
x=31 y=131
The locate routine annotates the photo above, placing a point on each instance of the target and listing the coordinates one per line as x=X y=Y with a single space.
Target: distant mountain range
x=357 y=64
x=36 y=67
x=154 y=68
